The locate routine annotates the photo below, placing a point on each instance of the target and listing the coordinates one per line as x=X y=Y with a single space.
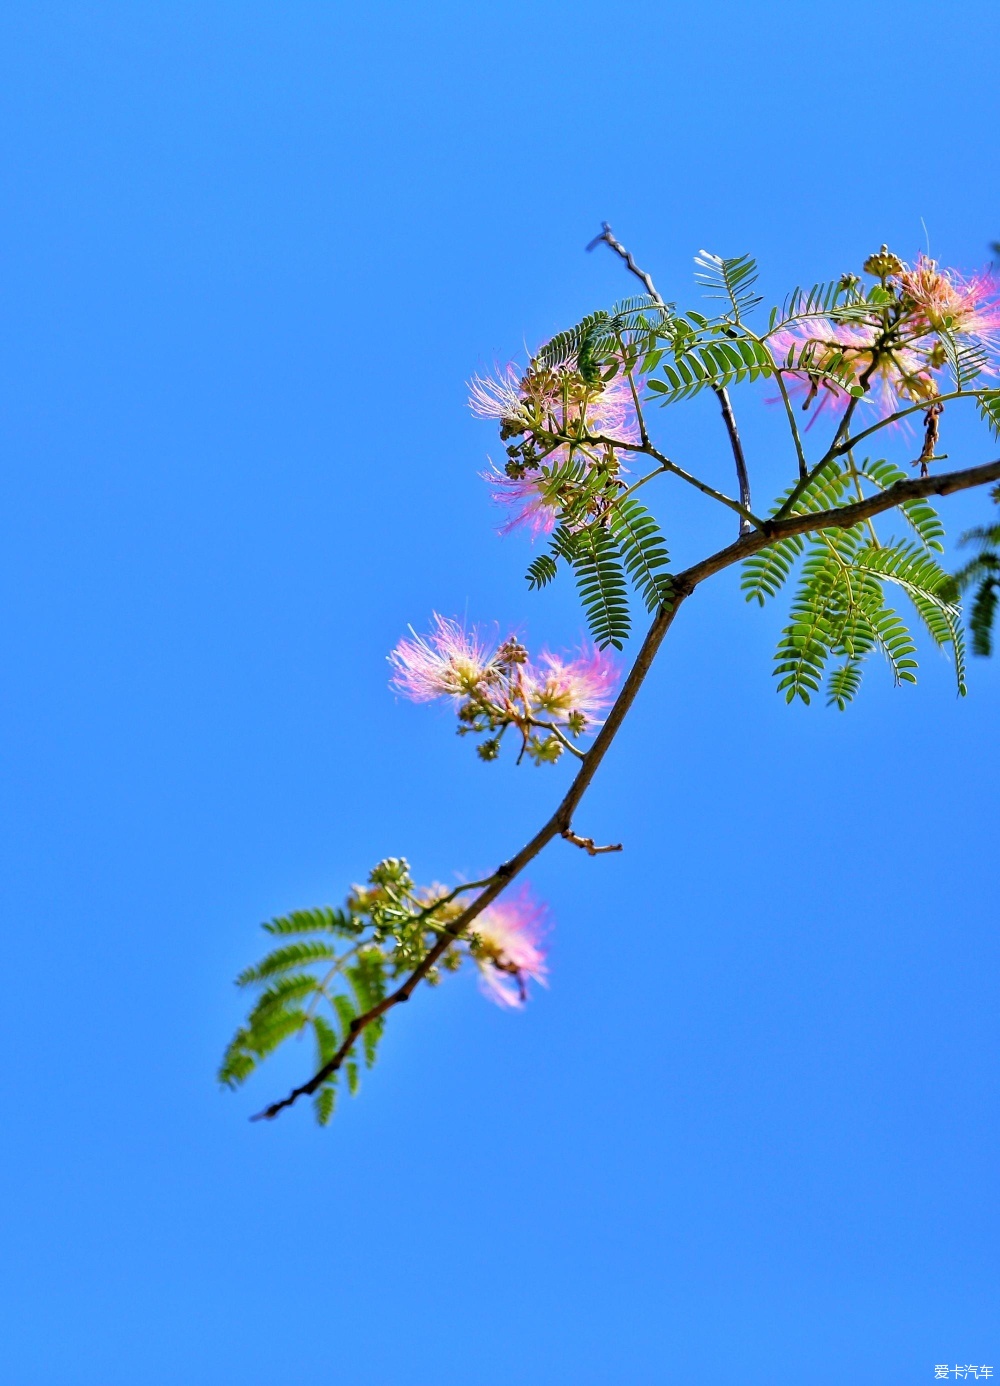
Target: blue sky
x=250 y=255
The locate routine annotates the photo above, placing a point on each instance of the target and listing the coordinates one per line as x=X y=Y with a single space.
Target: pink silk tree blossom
x=932 y=302
x=506 y=944
x=450 y=662
x=548 y=407
x=944 y=299
x=586 y=684
x=904 y=378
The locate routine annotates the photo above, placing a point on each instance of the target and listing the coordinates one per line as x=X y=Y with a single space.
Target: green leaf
x=843 y=684
x=284 y=959
x=989 y=409
x=765 y=572
x=601 y=585
x=541 y=571
x=728 y=280
x=644 y=551
x=920 y=515
x=313 y=921
x=324 y=1103
x=292 y=987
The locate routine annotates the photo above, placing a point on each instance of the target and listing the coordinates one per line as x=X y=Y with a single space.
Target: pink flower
x=451 y=662
x=946 y=300
x=901 y=378
x=583 y=685
x=535 y=409
x=524 y=501
x=507 y=949
x=497 y=396
x=554 y=400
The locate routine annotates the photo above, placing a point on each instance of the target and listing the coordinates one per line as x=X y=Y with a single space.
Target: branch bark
x=559 y=824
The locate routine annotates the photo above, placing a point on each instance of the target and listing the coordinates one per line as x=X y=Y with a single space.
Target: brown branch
x=843 y=517
x=684 y=584
x=607 y=236
x=589 y=845
x=742 y=475
x=721 y=393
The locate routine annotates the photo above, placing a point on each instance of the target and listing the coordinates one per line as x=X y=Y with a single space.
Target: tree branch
x=559 y=824
x=721 y=393
x=589 y=845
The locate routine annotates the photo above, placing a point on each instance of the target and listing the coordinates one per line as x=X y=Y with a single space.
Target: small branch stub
x=589 y=845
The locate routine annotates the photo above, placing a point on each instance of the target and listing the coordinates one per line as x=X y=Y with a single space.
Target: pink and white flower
x=556 y=401
x=558 y=687
x=929 y=302
x=946 y=300
x=450 y=662
x=524 y=501
x=541 y=406
x=507 y=947
x=900 y=378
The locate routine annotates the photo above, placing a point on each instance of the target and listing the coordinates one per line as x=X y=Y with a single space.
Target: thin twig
x=589 y=845
x=684 y=585
x=721 y=393
x=607 y=236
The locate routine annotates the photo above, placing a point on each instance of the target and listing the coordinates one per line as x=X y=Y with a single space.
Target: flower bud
x=883 y=263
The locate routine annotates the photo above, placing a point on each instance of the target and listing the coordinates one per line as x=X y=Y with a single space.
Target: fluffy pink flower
x=497 y=396
x=945 y=299
x=538 y=399
x=450 y=662
x=899 y=380
x=585 y=684
x=526 y=506
x=536 y=405
x=508 y=949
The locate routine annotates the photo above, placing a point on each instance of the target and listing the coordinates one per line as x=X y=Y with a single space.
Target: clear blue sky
x=249 y=255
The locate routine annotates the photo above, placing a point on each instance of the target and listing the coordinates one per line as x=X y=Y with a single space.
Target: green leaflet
x=929 y=588
x=983 y=570
x=601 y=334
x=983 y=614
x=836 y=298
x=324 y=1103
x=765 y=572
x=601 y=584
x=967 y=360
x=729 y=281
x=989 y=409
x=715 y=360
x=815 y=626
x=643 y=550
x=284 y=959
x=324 y=919
x=920 y=515
x=541 y=571
x=255 y=1041
x=843 y=684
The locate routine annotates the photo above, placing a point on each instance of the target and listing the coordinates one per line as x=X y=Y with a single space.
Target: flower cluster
x=892 y=343
x=551 y=418
x=550 y=702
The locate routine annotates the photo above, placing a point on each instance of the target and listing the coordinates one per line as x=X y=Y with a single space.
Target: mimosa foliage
x=862 y=356
x=319 y=986
x=983 y=574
